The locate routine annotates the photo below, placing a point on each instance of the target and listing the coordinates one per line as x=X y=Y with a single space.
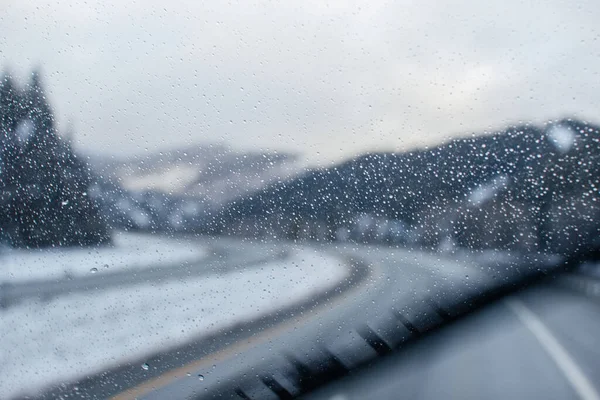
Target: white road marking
x=555 y=350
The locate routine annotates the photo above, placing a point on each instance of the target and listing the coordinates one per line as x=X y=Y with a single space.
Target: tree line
x=44 y=185
x=527 y=188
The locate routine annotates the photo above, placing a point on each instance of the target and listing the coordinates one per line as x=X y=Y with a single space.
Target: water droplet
x=105 y=266
x=145 y=366
x=94 y=270
x=201 y=377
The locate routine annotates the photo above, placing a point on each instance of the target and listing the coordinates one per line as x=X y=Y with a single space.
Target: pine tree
x=44 y=184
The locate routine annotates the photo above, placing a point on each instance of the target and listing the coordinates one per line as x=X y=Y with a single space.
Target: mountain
x=529 y=188
x=179 y=188
x=214 y=173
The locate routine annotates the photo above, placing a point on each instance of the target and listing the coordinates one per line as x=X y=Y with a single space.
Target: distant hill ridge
x=547 y=175
x=214 y=173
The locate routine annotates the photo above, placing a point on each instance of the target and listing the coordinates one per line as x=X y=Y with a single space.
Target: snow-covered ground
x=130 y=251
x=70 y=337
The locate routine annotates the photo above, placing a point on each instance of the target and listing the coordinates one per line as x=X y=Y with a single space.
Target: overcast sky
x=327 y=79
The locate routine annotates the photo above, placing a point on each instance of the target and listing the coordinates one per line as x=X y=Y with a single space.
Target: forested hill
x=527 y=187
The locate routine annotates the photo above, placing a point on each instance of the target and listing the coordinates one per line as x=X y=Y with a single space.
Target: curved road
x=539 y=344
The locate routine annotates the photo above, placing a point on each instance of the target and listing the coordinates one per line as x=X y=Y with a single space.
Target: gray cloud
x=326 y=79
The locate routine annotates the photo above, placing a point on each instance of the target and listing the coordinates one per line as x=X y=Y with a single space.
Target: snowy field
x=129 y=251
x=48 y=343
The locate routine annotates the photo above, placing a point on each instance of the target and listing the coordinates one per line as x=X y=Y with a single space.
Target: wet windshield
x=183 y=181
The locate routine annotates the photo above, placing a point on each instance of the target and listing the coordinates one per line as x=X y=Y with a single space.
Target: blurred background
x=143 y=143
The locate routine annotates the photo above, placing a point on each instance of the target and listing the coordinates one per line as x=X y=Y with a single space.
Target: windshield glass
x=183 y=181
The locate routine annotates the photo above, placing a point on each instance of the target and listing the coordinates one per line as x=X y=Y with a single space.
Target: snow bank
x=70 y=337
x=129 y=251
x=485 y=192
x=562 y=138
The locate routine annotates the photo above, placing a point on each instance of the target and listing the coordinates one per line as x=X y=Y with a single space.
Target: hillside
x=526 y=187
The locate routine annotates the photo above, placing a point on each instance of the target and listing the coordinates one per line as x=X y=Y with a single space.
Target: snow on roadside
x=70 y=337
x=130 y=251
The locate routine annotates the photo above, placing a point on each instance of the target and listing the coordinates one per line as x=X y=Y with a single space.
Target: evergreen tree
x=44 y=184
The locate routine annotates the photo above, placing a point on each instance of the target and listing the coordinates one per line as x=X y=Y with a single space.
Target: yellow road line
x=234 y=349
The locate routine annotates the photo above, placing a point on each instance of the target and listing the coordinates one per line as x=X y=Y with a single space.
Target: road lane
x=399 y=299
x=494 y=354
x=563 y=360
x=399 y=281
x=573 y=317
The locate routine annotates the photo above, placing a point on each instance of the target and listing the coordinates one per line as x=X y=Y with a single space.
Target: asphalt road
x=541 y=343
x=401 y=298
x=526 y=347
